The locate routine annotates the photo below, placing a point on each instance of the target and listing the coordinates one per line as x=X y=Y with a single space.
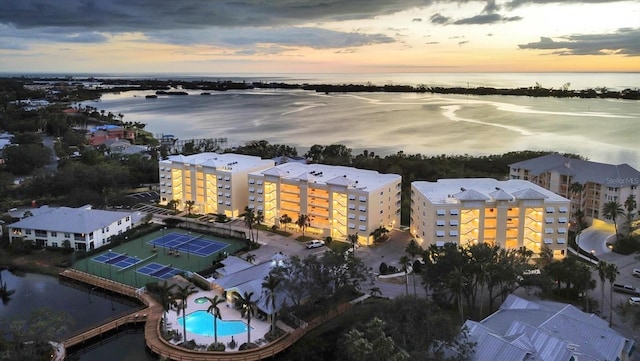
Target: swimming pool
x=201 y=323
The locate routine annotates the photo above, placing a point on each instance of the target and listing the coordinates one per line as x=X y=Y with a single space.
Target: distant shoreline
x=122 y=84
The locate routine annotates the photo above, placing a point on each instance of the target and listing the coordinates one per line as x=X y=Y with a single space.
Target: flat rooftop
x=447 y=191
x=221 y=161
x=350 y=177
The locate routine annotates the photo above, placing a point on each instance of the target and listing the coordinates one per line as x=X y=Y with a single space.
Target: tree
x=285 y=220
x=214 y=310
x=576 y=189
x=613 y=210
x=602 y=273
x=189 y=205
x=250 y=257
x=414 y=249
x=31 y=334
x=630 y=205
x=22 y=159
x=405 y=262
x=370 y=345
x=247 y=309
x=182 y=293
x=303 y=222
x=249 y=219
x=167 y=301
x=612 y=274
x=258 y=219
x=270 y=284
x=379 y=234
x=353 y=239
x=174 y=204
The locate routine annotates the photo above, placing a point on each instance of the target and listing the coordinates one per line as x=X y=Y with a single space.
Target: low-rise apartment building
x=84 y=228
x=511 y=214
x=215 y=183
x=340 y=201
x=589 y=185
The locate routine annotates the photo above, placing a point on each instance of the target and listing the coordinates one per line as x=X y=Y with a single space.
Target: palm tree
x=182 y=293
x=173 y=204
x=249 y=219
x=353 y=239
x=270 y=286
x=375 y=291
x=630 y=205
x=405 y=262
x=248 y=309
x=612 y=273
x=167 y=300
x=613 y=210
x=215 y=311
x=285 y=219
x=413 y=249
x=303 y=222
x=250 y=257
x=189 y=205
x=378 y=233
x=602 y=272
x=258 y=219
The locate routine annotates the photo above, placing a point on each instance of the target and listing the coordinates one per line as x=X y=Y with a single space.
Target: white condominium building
x=80 y=228
x=216 y=183
x=511 y=214
x=589 y=185
x=340 y=201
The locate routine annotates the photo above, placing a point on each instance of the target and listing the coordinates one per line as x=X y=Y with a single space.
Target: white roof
x=70 y=220
x=480 y=189
x=349 y=177
x=222 y=161
x=543 y=330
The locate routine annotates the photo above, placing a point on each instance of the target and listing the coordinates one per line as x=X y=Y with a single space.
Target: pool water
x=201 y=323
x=200 y=300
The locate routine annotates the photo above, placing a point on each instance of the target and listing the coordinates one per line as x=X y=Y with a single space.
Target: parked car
x=626 y=289
x=635 y=301
x=315 y=243
x=636 y=272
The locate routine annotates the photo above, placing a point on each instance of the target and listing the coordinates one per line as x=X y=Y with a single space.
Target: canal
x=87 y=307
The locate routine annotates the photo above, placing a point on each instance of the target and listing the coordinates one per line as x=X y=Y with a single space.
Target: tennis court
x=158 y=270
x=196 y=245
x=120 y=260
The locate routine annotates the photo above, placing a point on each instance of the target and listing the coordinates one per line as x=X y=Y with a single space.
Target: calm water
x=34 y=291
x=602 y=130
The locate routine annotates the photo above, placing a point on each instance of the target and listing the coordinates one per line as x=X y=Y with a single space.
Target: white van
x=636 y=272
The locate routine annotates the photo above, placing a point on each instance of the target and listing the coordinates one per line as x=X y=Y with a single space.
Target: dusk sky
x=318 y=36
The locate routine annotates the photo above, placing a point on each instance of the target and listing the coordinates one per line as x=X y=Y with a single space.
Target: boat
x=151 y=96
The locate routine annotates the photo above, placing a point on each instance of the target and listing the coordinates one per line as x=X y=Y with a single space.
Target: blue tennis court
x=120 y=260
x=196 y=245
x=158 y=270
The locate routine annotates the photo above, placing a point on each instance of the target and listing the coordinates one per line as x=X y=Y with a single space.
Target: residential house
x=523 y=330
x=84 y=228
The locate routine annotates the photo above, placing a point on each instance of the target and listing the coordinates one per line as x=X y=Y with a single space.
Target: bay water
x=602 y=130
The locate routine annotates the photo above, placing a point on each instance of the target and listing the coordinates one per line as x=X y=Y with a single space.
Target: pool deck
x=258 y=327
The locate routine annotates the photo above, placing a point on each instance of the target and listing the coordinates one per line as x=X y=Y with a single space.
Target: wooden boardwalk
x=152 y=315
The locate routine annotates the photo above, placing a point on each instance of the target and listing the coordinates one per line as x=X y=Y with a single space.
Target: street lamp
x=164 y=245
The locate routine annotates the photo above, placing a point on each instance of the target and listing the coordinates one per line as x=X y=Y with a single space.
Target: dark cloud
x=518 y=3
x=249 y=37
x=461 y=43
x=486 y=19
x=417 y=20
x=141 y=15
x=439 y=19
x=432 y=43
x=623 y=42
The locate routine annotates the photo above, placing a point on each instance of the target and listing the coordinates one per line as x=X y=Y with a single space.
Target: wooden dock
x=152 y=315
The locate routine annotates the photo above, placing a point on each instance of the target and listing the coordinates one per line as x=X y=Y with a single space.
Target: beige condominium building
x=588 y=184
x=511 y=214
x=215 y=183
x=340 y=201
